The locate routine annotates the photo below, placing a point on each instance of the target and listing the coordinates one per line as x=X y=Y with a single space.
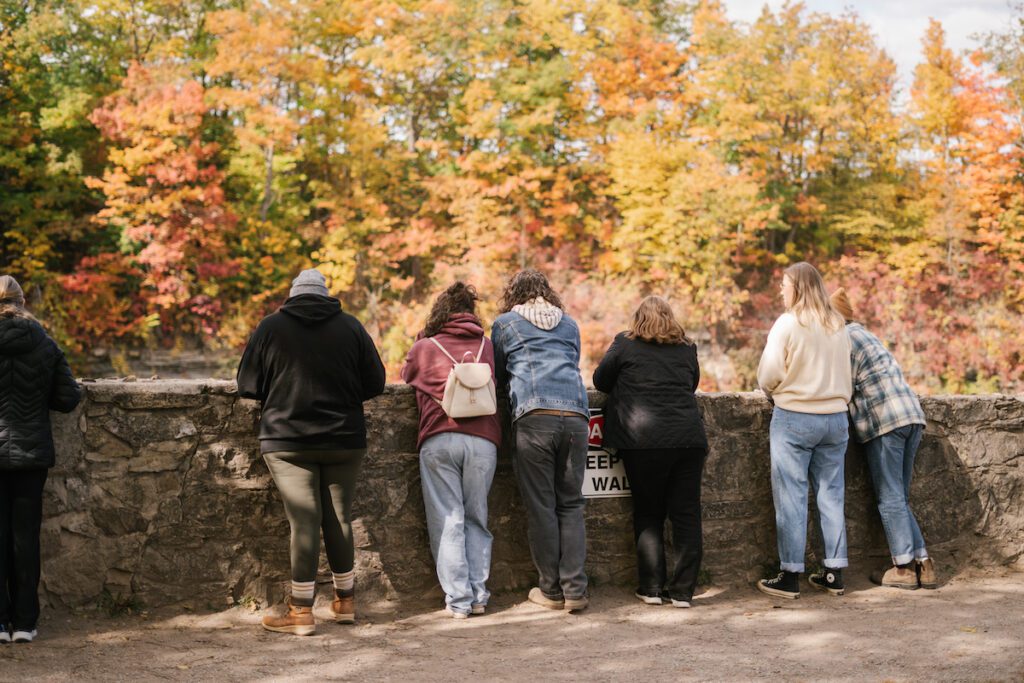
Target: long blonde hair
x=811 y=302
x=655 y=322
x=12 y=299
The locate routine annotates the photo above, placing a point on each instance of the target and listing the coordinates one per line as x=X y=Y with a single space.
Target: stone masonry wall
x=160 y=493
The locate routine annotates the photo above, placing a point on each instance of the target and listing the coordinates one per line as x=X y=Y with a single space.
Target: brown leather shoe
x=926 y=574
x=344 y=606
x=298 y=620
x=897 y=577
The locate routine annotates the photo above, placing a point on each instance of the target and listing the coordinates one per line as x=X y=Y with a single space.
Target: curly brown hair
x=527 y=285
x=458 y=298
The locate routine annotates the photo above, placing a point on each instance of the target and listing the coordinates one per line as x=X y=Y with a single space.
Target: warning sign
x=606 y=475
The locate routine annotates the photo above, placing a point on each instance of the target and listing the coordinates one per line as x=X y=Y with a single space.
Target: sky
x=899 y=25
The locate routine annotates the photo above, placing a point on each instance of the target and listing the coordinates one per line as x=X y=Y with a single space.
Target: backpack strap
x=443 y=350
x=480 y=351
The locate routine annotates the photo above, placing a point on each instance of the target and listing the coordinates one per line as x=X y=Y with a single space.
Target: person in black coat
x=652 y=421
x=312 y=365
x=34 y=379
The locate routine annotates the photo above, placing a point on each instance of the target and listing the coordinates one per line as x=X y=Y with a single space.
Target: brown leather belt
x=559 y=413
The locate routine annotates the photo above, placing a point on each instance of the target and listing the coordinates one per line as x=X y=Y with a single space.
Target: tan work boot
x=344 y=606
x=926 y=574
x=298 y=620
x=537 y=597
x=896 y=577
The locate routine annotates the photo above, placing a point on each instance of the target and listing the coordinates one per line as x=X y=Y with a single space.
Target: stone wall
x=160 y=493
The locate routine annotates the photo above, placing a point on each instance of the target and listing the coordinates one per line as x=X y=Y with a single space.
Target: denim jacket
x=538 y=368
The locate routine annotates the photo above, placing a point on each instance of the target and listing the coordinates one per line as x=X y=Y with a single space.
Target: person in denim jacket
x=536 y=363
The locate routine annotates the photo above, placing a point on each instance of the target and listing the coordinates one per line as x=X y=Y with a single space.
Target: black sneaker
x=830 y=580
x=785 y=585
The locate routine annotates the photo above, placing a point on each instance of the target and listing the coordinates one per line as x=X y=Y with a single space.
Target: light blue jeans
x=891 y=461
x=802 y=445
x=456 y=471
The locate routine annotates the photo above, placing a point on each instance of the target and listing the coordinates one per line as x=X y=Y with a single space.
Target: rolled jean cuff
x=905 y=558
x=795 y=567
x=920 y=554
x=836 y=563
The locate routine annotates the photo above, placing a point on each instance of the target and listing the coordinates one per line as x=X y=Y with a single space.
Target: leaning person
x=536 y=362
x=458 y=455
x=887 y=418
x=312 y=366
x=650 y=374
x=805 y=372
x=34 y=379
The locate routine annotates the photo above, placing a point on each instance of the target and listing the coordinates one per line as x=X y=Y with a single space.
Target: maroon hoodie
x=426 y=370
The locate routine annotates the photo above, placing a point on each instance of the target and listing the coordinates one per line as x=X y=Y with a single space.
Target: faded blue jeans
x=891 y=461
x=456 y=471
x=804 y=445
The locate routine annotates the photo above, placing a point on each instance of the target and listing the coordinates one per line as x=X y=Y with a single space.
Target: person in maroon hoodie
x=457 y=456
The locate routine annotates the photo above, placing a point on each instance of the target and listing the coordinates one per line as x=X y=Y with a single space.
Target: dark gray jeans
x=549 y=463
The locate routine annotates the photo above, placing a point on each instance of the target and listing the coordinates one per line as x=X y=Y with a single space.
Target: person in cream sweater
x=805 y=372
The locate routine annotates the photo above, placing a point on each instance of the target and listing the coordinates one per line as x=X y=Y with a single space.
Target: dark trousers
x=21 y=514
x=550 y=459
x=666 y=483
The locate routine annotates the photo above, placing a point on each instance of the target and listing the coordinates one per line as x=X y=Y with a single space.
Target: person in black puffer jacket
x=34 y=379
x=653 y=423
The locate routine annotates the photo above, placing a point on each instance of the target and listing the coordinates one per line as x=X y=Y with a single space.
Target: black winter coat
x=34 y=379
x=650 y=395
x=312 y=366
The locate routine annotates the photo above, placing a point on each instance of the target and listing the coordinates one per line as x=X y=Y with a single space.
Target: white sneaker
x=648 y=599
x=680 y=603
x=5 y=637
x=456 y=615
x=24 y=636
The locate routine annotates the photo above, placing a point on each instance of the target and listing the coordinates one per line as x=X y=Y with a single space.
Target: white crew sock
x=303 y=590
x=344 y=582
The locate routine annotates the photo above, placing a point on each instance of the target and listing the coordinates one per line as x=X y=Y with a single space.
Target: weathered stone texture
x=160 y=492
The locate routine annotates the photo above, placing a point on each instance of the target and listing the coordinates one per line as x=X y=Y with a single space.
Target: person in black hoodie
x=34 y=379
x=312 y=366
x=652 y=421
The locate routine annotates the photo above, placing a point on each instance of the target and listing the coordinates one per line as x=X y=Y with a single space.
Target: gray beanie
x=309 y=281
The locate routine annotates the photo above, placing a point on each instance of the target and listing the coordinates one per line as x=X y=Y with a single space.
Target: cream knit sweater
x=806 y=369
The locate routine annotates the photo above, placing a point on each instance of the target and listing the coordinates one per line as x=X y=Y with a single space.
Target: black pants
x=666 y=483
x=21 y=513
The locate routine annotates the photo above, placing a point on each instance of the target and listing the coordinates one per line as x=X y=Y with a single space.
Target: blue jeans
x=805 y=444
x=891 y=461
x=550 y=461
x=456 y=471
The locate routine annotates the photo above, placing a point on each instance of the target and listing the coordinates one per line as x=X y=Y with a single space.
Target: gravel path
x=970 y=629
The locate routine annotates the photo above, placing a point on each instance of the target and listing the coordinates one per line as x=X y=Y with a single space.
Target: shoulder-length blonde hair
x=811 y=302
x=655 y=322
x=12 y=299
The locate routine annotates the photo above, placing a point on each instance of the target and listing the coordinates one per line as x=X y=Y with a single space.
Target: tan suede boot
x=344 y=606
x=926 y=574
x=899 y=577
x=298 y=620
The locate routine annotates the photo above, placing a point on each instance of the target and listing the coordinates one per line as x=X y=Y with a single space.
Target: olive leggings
x=317 y=489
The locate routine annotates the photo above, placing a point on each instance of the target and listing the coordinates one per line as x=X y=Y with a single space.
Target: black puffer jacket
x=650 y=395
x=34 y=379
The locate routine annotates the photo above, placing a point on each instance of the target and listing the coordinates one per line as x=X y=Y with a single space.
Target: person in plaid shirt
x=887 y=418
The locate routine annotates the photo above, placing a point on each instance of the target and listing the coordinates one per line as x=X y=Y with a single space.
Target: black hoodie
x=312 y=365
x=34 y=379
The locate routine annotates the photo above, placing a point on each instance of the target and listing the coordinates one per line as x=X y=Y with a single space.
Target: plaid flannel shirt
x=882 y=400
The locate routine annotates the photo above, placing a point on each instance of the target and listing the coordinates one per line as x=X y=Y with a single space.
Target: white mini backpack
x=469 y=391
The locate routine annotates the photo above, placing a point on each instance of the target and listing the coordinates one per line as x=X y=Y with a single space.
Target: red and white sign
x=606 y=475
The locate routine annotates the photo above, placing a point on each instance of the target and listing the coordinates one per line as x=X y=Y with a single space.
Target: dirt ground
x=970 y=629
